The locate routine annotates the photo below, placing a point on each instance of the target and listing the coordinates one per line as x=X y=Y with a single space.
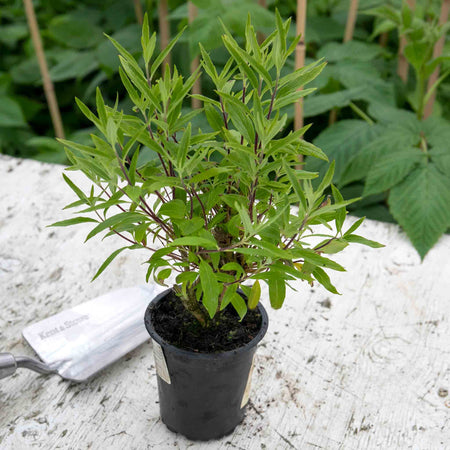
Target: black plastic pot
x=208 y=392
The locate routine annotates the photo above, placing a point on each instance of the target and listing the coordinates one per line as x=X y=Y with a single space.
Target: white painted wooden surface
x=359 y=371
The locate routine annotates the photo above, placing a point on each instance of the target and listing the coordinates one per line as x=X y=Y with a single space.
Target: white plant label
x=248 y=387
x=160 y=363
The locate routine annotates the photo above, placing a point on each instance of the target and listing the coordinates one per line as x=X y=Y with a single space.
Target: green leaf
x=76 y=189
x=340 y=142
x=271 y=249
x=74 y=221
x=392 y=139
x=175 y=209
x=210 y=287
x=74 y=32
x=108 y=261
x=193 y=241
x=313 y=258
x=191 y=226
x=148 y=43
x=331 y=246
x=74 y=64
x=187 y=277
x=391 y=169
x=295 y=184
x=416 y=53
x=11 y=114
x=277 y=291
x=255 y=295
x=353 y=50
x=361 y=240
x=126 y=218
x=322 y=277
x=340 y=213
x=160 y=58
x=321 y=103
x=162 y=275
x=239 y=305
x=326 y=181
x=239 y=56
x=420 y=206
x=355 y=226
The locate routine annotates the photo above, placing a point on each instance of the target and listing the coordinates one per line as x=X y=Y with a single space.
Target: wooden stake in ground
x=197 y=88
x=351 y=20
x=138 y=11
x=49 y=90
x=402 y=67
x=300 y=53
x=383 y=40
x=164 y=29
x=437 y=51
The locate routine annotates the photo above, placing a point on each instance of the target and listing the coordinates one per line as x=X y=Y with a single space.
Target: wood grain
x=364 y=370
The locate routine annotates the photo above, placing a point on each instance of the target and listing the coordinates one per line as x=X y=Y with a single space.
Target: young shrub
x=220 y=209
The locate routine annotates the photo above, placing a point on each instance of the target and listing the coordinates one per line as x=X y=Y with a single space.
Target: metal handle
x=9 y=364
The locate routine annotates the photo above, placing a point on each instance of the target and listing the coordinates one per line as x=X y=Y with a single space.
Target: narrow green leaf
x=148 y=43
x=160 y=58
x=322 y=277
x=210 y=288
x=75 y=189
x=277 y=291
x=255 y=295
x=239 y=305
x=74 y=221
x=126 y=218
x=108 y=261
x=295 y=184
x=361 y=240
x=341 y=212
x=313 y=258
x=331 y=246
x=193 y=241
x=355 y=226
x=235 y=52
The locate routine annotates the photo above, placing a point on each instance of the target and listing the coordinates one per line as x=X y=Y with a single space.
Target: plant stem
x=361 y=113
x=191 y=304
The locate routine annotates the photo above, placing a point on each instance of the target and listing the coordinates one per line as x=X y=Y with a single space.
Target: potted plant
x=220 y=210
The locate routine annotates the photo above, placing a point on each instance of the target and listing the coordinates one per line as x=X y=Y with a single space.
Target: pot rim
x=202 y=355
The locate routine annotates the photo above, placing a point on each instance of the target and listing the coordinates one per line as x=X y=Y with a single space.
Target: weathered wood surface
x=365 y=370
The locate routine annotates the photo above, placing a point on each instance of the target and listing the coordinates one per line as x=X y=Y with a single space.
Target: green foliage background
x=377 y=141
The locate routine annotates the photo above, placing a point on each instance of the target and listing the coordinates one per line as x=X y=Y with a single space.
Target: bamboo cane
x=383 y=40
x=164 y=29
x=351 y=20
x=402 y=67
x=49 y=89
x=300 y=53
x=437 y=51
x=138 y=11
x=197 y=87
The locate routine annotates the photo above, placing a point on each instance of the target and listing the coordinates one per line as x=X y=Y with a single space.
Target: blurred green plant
x=393 y=154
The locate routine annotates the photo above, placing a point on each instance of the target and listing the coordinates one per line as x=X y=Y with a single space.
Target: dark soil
x=178 y=327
